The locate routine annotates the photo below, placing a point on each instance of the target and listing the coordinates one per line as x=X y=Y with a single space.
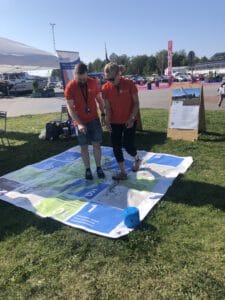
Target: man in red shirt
x=122 y=105
x=82 y=94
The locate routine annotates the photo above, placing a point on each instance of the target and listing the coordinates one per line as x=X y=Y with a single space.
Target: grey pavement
x=18 y=106
x=161 y=98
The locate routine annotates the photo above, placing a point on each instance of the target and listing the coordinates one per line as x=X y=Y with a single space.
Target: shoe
x=100 y=173
x=119 y=176
x=88 y=174
x=136 y=165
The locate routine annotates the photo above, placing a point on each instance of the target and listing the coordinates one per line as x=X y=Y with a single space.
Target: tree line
x=147 y=65
x=143 y=64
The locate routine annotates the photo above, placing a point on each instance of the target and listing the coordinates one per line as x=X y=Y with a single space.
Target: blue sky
x=127 y=27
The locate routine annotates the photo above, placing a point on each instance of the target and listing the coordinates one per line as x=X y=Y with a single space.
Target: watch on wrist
x=103 y=114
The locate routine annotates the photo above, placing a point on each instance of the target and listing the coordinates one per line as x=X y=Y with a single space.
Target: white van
x=18 y=81
x=182 y=76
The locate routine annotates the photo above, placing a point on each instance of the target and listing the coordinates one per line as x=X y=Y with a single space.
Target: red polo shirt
x=120 y=98
x=81 y=102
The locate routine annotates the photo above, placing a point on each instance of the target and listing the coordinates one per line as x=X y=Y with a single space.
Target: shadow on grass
x=196 y=194
x=212 y=137
x=144 y=140
x=14 y=220
x=27 y=148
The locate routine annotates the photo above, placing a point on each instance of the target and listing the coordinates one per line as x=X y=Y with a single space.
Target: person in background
x=81 y=95
x=221 y=93
x=122 y=105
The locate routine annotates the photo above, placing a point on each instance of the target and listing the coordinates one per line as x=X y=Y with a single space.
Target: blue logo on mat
x=68 y=156
x=101 y=218
x=165 y=160
x=107 y=151
x=90 y=192
x=50 y=164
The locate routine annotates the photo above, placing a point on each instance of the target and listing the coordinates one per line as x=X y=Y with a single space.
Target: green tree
x=90 y=67
x=204 y=59
x=191 y=60
x=161 y=61
x=56 y=73
x=113 y=57
x=150 y=66
x=137 y=64
x=98 y=65
x=179 y=58
x=123 y=60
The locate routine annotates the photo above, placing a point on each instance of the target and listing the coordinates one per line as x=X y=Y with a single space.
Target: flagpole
x=106 y=55
x=53 y=35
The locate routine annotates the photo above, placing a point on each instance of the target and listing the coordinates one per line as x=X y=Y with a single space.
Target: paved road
x=148 y=99
x=18 y=106
x=161 y=98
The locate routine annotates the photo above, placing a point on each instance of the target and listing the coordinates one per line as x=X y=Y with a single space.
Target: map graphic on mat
x=56 y=188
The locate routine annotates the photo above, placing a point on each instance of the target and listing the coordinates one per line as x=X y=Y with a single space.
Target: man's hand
x=82 y=128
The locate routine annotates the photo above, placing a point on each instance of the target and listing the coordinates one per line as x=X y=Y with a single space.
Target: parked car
x=137 y=79
x=51 y=85
x=18 y=82
x=164 y=78
x=182 y=77
x=217 y=78
x=59 y=85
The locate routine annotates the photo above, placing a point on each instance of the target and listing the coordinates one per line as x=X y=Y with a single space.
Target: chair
x=63 y=116
x=3 y=132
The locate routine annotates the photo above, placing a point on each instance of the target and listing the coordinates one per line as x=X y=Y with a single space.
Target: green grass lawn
x=178 y=252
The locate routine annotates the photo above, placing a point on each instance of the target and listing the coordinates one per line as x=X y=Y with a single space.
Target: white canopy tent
x=18 y=57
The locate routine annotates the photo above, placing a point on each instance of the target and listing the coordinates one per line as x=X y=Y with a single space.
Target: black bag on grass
x=53 y=131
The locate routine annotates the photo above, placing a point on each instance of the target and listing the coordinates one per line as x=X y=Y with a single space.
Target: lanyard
x=84 y=92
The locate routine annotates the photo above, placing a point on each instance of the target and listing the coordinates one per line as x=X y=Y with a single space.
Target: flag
x=67 y=62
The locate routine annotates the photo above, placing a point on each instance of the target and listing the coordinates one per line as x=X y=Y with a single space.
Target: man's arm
x=74 y=117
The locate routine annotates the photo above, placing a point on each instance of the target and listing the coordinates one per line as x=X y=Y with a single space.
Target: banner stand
x=185 y=130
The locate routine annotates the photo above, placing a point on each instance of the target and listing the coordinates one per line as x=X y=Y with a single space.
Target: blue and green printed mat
x=56 y=188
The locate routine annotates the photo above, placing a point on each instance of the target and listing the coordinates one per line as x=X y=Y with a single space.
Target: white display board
x=187 y=112
x=185 y=107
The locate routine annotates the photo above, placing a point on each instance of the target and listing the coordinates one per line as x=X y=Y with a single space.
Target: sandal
x=136 y=165
x=119 y=176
